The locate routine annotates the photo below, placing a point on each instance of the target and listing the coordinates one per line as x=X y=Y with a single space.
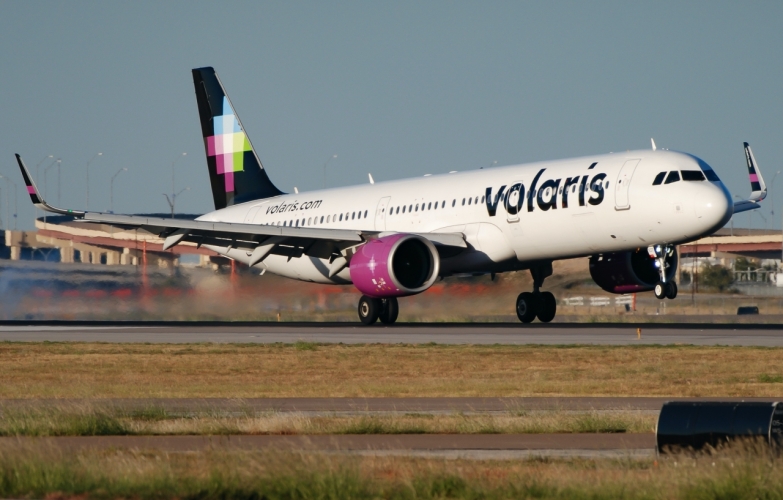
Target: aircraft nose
x=714 y=207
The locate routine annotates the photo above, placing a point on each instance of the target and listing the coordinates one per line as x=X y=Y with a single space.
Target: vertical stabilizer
x=235 y=172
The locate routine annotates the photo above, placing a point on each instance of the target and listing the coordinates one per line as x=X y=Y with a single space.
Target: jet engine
x=395 y=266
x=629 y=272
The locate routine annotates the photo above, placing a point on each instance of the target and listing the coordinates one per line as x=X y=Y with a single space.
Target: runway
x=454 y=334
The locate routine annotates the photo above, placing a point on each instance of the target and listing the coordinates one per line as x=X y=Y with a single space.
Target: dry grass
x=82 y=420
x=39 y=473
x=76 y=370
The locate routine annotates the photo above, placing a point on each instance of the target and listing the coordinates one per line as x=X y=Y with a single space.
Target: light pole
x=46 y=178
x=59 y=177
x=171 y=201
x=7 y=180
x=325 y=164
x=111 y=188
x=772 y=193
x=88 y=179
x=46 y=183
x=178 y=158
x=39 y=164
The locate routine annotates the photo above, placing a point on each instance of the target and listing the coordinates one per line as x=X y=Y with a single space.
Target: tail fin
x=235 y=172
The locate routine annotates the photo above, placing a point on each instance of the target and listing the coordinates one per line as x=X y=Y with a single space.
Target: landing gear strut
x=665 y=288
x=537 y=304
x=372 y=309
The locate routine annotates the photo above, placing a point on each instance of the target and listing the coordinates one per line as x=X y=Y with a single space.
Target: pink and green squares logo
x=228 y=145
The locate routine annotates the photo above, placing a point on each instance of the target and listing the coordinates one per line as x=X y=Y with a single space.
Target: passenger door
x=621 y=185
x=380 y=214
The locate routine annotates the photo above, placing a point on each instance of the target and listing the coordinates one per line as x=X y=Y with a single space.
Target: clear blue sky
x=393 y=88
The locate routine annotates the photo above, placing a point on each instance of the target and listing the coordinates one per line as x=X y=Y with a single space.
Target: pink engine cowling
x=629 y=272
x=395 y=266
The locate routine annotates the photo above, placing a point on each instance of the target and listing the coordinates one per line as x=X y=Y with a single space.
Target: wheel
x=671 y=290
x=527 y=305
x=389 y=311
x=547 y=307
x=660 y=290
x=369 y=309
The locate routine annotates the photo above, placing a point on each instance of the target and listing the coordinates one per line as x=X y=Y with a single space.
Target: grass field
x=85 y=421
x=43 y=473
x=84 y=370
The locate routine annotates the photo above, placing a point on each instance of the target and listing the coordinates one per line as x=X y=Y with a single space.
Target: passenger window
x=453 y=203
x=410 y=208
x=482 y=199
x=403 y=209
x=365 y=214
x=309 y=220
x=470 y=200
x=659 y=179
x=353 y=215
x=476 y=200
x=463 y=202
x=673 y=176
x=417 y=207
x=429 y=206
x=692 y=175
x=341 y=217
x=322 y=219
x=443 y=205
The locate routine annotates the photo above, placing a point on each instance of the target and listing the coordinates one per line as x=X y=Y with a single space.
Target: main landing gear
x=371 y=310
x=537 y=304
x=665 y=288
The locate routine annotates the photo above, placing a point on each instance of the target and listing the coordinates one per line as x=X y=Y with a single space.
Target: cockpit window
x=673 y=176
x=692 y=175
x=659 y=178
x=711 y=175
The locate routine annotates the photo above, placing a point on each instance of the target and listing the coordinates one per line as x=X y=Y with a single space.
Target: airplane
x=626 y=212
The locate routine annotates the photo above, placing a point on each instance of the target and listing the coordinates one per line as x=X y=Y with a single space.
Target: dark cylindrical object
x=683 y=424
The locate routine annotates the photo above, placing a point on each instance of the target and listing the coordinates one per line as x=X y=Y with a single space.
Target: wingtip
x=745 y=144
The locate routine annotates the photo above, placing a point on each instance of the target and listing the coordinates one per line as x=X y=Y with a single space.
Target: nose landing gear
x=537 y=303
x=665 y=288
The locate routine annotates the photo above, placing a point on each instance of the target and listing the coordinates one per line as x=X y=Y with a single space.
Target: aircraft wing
x=260 y=239
x=757 y=185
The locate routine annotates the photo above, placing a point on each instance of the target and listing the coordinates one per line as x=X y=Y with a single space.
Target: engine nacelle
x=395 y=266
x=629 y=272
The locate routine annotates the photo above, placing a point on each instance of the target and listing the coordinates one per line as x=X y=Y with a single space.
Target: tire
x=369 y=310
x=527 y=306
x=390 y=309
x=660 y=290
x=547 y=307
x=671 y=290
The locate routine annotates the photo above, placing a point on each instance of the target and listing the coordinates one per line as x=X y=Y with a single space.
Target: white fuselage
x=580 y=207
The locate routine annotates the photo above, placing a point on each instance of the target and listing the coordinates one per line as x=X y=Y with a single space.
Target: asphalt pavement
x=764 y=335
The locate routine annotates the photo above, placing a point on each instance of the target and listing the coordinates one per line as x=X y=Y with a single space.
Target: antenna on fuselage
x=372 y=181
x=652 y=141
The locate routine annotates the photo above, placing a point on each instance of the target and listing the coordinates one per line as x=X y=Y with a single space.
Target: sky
x=396 y=89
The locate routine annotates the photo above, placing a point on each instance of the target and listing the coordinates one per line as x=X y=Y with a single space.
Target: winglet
x=35 y=195
x=757 y=185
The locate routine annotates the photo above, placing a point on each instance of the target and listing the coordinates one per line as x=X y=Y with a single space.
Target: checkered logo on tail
x=228 y=145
